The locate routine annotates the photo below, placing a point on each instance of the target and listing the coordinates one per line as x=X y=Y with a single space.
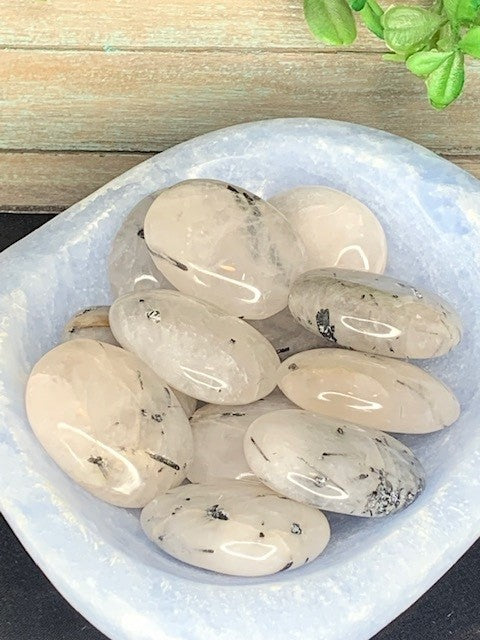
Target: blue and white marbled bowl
x=96 y=554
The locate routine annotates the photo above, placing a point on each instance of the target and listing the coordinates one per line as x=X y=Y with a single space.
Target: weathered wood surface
x=58 y=180
x=51 y=182
x=128 y=77
x=160 y=24
x=146 y=101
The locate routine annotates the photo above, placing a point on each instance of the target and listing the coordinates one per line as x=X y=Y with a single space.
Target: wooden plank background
x=88 y=88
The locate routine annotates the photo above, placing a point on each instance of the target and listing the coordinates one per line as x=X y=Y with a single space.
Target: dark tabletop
x=31 y=609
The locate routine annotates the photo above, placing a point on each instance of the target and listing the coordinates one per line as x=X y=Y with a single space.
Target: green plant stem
x=375 y=6
x=371 y=15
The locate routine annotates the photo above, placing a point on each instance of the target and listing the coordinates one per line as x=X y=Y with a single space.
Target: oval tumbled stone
x=91 y=323
x=218 y=432
x=130 y=265
x=237 y=528
x=195 y=346
x=374 y=313
x=336 y=229
x=286 y=335
x=225 y=245
x=187 y=403
x=109 y=422
x=371 y=391
x=333 y=465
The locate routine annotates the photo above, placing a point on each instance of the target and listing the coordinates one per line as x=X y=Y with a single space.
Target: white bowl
x=96 y=554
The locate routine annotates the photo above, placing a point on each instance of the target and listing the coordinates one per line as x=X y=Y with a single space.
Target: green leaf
x=424 y=63
x=357 y=5
x=408 y=29
x=394 y=57
x=447 y=39
x=437 y=6
x=330 y=21
x=371 y=16
x=470 y=43
x=460 y=11
x=445 y=44
x=445 y=83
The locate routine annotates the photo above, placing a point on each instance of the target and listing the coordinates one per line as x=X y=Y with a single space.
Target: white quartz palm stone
x=374 y=313
x=187 y=403
x=218 y=432
x=332 y=465
x=91 y=323
x=336 y=229
x=225 y=245
x=288 y=336
x=196 y=347
x=109 y=422
x=368 y=390
x=237 y=528
x=130 y=266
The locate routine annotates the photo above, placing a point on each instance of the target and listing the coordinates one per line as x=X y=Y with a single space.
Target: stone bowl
x=95 y=554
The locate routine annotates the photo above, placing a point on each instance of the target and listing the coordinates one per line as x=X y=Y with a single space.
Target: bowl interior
x=430 y=212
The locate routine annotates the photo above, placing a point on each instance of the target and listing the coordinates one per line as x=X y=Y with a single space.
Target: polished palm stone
x=196 y=347
x=237 y=528
x=130 y=266
x=225 y=245
x=91 y=323
x=368 y=390
x=374 y=313
x=286 y=335
x=336 y=229
x=187 y=403
x=218 y=432
x=332 y=464
x=109 y=422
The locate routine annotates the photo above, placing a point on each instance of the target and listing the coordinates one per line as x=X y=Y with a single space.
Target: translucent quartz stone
x=195 y=346
x=222 y=244
x=187 y=403
x=130 y=266
x=374 y=313
x=109 y=422
x=368 y=390
x=91 y=323
x=287 y=335
x=218 y=432
x=333 y=465
x=336 y=229
x=238 y=528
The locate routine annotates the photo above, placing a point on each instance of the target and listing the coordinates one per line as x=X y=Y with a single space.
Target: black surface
x=14 y=226
x=31 y=609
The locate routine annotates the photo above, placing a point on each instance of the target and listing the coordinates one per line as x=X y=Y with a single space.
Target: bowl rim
x=299 y=596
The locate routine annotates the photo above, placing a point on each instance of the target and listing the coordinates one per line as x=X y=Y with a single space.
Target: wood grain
x=131 y=101
x=58 y=180
x=54 y=181
x=467 y=163
x=161 y=24
x=89 y=87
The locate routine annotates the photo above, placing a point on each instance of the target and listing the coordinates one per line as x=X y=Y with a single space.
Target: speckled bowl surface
x=96 y=554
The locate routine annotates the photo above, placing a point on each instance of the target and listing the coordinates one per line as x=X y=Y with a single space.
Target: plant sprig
x=432 y=43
